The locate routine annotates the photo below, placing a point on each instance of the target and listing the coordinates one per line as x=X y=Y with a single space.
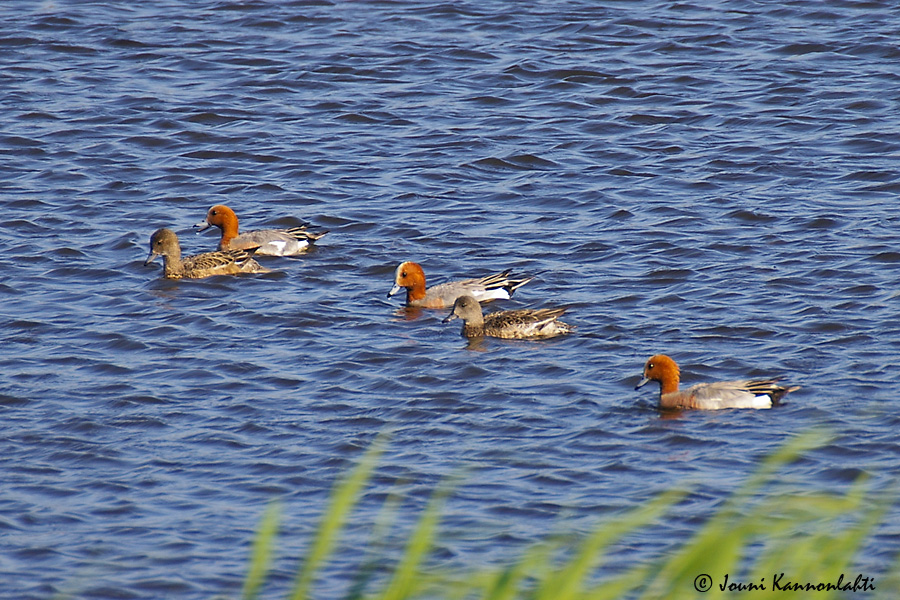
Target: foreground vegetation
x=758 y=533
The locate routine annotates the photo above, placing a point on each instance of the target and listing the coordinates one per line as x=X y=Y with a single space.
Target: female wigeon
x=269 y=242
x=761 y=393
x=509 y=324
x=221 y=262
x=410 y=275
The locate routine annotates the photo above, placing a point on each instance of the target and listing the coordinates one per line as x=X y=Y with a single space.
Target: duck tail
x=303 y=234
x=771 y=388
x=513 y=284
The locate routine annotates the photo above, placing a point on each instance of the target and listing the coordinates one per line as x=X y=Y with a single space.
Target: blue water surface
x=716 y=181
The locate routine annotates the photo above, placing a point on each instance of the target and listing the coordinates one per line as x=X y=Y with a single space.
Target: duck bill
x=394 y=290
x=642 y=383
x=150 y=258
x=202 y=226
x=450 y=317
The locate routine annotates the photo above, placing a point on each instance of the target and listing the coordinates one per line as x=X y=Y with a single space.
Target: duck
x=268 y=242
x=411 y=276
x=522 y=323
x=221 y=262
x=747 y=393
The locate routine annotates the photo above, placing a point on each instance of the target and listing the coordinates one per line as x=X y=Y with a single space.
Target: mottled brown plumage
x=510 y=324
x=164 y=242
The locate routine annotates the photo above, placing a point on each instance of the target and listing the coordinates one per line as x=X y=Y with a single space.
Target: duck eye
x=650 y=365
x=403 y=274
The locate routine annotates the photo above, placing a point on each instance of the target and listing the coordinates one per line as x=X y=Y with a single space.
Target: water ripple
x=716 y=184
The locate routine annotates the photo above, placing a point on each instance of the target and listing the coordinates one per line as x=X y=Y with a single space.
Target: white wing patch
x=496 y=294
x=276 y=246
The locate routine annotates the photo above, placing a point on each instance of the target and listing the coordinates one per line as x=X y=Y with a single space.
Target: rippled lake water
x=717 y=181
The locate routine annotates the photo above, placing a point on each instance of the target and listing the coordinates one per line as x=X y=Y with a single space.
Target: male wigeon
x=509 y=324
x=269 y=242
x=221 y=262
x=410 y=275
x=761 y=393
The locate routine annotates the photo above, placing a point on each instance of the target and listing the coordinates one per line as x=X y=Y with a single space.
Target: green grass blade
x=718 y=547
x=621 y=585
x=836 y=552
x=344 y=496
x=535 y=564
x=760 y=530
x=386 y=517
x=790 y=451
x=401 y=584
x=261 y=556
x=567 y=582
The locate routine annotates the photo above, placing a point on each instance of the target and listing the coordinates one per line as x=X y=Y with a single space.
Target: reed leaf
x=374 y=552
x=719 y=545
x=344 y=496
x=535 y=564
x=759 y=531
x=261 y=555
x=567 y=582
x=401 y=584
